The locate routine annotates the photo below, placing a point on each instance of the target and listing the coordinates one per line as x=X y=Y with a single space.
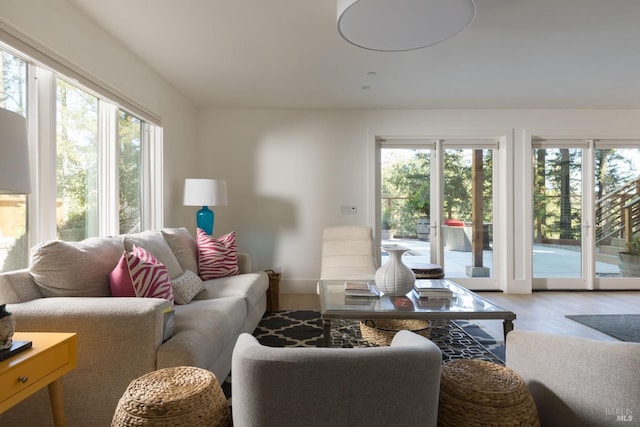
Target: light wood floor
x=539 y=311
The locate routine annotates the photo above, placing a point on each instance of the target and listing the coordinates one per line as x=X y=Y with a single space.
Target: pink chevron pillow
x=140 y=274
x=217 y=257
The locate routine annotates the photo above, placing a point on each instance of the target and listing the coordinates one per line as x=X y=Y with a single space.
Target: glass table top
x=333 y=299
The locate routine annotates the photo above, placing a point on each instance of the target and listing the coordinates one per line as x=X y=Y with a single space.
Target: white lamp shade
x=14 y=154
x=399 y=25
x=205 y=192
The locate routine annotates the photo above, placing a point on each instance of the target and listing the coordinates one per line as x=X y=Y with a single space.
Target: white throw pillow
x=186 y=287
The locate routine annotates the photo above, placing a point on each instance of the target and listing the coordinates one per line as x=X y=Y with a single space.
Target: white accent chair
x=376 y=386
x=348 y=253
x=578 y=381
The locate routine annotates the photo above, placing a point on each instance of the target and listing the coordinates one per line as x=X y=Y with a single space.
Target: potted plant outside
x=386 y=226
x=629 y=260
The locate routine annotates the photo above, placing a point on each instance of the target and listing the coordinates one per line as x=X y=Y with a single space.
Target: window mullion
x=108 y=182
x=43 y=199
x=152 y=187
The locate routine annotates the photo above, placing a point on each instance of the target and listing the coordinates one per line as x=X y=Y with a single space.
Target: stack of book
x=360 y=289
x=433 y=289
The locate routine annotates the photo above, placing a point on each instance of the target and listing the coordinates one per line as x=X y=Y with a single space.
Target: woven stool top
x=180 y=387
x=181 y=395
x=484 y=393
x=484 y=381
x=382 y=331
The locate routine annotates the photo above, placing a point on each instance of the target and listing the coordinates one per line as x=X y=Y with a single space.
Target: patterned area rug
x=303 y=328
x=625 y=327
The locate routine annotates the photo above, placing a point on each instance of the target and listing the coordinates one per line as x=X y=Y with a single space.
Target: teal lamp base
x=204 y=219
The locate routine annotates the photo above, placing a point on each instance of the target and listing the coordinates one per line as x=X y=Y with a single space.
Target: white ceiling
x=288 y=54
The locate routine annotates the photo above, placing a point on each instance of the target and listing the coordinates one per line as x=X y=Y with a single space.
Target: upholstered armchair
x=377 y=386
x=578 y=381
x=348 y=253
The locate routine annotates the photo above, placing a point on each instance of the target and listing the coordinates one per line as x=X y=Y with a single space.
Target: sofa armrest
x=118 y=341
x=17 y=286
x=109 y=315
x=115 y=333
x=244 y=263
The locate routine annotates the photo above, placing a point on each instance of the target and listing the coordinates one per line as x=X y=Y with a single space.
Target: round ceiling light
x=400 y=25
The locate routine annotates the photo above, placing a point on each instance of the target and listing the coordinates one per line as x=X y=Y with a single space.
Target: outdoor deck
x=550 y=261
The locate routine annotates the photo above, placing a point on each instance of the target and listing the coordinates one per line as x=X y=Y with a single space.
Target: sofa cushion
x=250 y=286
x=217 y=257
x=186 y=287
x=140 y=274
x=75 y=269
x=154 y=242
x=184 y=247
x=202 y=331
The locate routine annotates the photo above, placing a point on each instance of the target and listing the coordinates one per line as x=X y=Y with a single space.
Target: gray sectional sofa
x=66 y=289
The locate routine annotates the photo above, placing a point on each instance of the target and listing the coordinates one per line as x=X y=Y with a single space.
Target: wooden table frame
x=51 y=356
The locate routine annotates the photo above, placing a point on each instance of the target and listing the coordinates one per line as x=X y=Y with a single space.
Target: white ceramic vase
x=394 y=278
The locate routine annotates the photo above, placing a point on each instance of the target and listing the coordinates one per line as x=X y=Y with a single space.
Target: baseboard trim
x=298 y=286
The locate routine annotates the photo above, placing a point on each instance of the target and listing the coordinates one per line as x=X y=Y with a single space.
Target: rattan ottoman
x=180 y=396
x=381 y=332
x=479 y=393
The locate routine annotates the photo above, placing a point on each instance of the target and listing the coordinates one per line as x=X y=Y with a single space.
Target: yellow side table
x=51 y=356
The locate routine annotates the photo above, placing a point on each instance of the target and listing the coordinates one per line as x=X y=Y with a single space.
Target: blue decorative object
x=205 y=193
x=204 y=219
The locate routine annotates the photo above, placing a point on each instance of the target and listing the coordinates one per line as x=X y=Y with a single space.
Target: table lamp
x=14 y=154
x=205 y=193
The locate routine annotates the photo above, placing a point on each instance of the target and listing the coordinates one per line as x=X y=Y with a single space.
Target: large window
x=77 y=162
x=96 y=170
x=130 y=172
x=13 y=207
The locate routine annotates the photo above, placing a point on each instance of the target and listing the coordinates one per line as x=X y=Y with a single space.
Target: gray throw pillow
x=75 y=269
x=184 y=247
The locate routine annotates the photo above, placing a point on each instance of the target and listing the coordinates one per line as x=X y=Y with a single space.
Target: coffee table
x=466 y=305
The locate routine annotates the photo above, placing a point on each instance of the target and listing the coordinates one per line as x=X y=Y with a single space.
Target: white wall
x=289 y=172
x=67 y=32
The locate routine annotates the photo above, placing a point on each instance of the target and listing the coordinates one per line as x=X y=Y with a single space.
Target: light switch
x=349 y=210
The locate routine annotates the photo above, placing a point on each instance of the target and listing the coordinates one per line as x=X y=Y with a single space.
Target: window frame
x=41 y=122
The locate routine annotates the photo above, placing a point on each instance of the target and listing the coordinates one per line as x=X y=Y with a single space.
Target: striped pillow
x=217 y=257
x=140 y=274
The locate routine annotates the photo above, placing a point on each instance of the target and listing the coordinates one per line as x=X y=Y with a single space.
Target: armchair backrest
x=376 y=386
x=348 y=253
x=577 y=381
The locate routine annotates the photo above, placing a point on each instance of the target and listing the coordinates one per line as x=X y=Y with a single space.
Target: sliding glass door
x=586 y=203
x=557 y=212
x=467 y=204
x=437 y=198
x=616 y=181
